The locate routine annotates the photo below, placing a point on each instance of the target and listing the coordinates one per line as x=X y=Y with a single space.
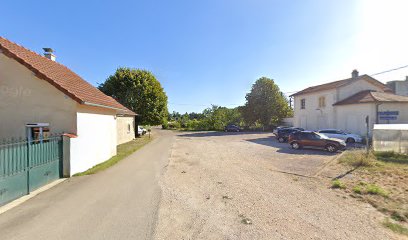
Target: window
x=322 y=102
x=128 y=128
x=38 y=132
x=303 y=103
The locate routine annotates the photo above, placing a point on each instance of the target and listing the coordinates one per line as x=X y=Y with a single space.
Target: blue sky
x=211 y=52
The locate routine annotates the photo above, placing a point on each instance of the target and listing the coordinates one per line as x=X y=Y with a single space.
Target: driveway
x=248 y=186
x=119 y=203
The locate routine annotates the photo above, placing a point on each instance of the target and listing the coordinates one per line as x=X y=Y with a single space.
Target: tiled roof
x=60 y=77
x=369 y=96
x=340 y=83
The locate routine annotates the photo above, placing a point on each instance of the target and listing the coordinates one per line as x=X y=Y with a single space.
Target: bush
x=165 y=125
x=338 y=184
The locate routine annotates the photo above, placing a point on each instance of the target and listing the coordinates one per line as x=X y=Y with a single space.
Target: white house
x=39 y=96
x=345 y=104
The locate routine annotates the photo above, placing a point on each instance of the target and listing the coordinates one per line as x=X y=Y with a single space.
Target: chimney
x=354 y=74
x=48 y=53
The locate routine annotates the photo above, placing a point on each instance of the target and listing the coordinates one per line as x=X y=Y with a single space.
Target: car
x=275 y=131
x=232 y=128
x=283 y=134
x=141 y=131
x=339 y=134
x=310 y=139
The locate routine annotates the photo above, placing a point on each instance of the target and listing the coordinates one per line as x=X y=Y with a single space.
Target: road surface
x=119 y=203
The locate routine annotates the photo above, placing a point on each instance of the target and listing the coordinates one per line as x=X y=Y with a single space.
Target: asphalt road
x=119 y=203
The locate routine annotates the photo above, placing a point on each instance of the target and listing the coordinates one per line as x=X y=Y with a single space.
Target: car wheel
x=350 y=140
x=331 y=148
x=281 y=139
x=295 y=145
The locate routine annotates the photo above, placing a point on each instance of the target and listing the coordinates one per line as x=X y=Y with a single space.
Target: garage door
x=28 y=165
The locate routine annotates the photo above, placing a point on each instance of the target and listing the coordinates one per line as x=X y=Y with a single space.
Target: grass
x=380 y=179
x=376 y=190
x=123 y=151
x=357 y=158
x=395 y=227
x=338 y=184
x=391 y=157
x=358 y=189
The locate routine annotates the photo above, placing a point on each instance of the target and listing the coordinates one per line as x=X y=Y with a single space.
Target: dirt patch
x=237 y=190
x=377 y=180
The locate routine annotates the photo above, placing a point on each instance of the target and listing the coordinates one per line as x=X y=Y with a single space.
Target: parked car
x=283 y=134
x=302 y=139
x=339 y=134
x=141 y=131
x=232 y=128
x=275 y=131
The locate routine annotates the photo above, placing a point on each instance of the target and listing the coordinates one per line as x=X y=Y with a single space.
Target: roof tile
x=60 y=76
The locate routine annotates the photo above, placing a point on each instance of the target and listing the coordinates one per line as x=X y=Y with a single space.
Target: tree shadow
x=218 y=134
x=286 y=148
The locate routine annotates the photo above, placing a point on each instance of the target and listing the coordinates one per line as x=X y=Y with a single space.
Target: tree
x=139 y=91
x=265 y=103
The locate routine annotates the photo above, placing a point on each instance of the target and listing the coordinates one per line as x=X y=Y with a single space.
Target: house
x=125 y=125
x=345 y=104
x=39 y=96
x=399 y=87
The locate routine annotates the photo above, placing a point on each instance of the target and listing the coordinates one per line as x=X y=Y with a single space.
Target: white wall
x=355 y=87
x=124 y=134
x=402 y=108
x=97 y=138
x=351 y=118
x=314 y=117
x=24 y=98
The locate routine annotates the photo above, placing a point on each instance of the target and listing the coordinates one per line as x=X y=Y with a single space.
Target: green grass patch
x=376 y=190
x=358 y=189
x=395 y=227
x=338 y=184
x=123 y=151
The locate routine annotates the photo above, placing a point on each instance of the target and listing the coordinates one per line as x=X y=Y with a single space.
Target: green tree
x=265 y=103
x=140 y=91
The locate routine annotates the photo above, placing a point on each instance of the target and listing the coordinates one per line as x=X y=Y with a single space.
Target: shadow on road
x=285 y=147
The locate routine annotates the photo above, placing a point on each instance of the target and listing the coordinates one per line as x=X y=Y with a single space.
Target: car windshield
x=322 y=136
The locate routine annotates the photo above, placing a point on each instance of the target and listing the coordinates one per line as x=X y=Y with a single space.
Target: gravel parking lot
x=249 y=186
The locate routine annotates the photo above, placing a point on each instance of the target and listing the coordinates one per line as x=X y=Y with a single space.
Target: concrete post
x=66 y=156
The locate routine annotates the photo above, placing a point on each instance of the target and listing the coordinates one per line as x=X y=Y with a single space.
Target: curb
x=27 y=197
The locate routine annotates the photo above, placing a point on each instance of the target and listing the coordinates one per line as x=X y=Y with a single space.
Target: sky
x=211 y=52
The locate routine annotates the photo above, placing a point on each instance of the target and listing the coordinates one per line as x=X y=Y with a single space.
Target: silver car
x=339 y=134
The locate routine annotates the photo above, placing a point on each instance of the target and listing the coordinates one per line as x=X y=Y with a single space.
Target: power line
x=390 y=70
x=286 y=93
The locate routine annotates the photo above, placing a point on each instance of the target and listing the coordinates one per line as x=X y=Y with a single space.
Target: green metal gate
x=28 y=165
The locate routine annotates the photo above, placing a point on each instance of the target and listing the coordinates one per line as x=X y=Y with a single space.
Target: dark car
x=315 y=140
x=283 y=134
x=232 y=128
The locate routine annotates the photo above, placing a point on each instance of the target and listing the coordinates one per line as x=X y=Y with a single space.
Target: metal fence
x=27 y=165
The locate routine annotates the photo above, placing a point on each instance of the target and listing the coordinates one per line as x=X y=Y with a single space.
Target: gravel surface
x=231 y=186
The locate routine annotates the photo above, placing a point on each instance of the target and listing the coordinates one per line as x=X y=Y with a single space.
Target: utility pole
x=367 y=133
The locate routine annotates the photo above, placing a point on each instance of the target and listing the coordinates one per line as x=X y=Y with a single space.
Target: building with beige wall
x=125 y=127
x=39 y=94
x=399 y=87
x=345 y=104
